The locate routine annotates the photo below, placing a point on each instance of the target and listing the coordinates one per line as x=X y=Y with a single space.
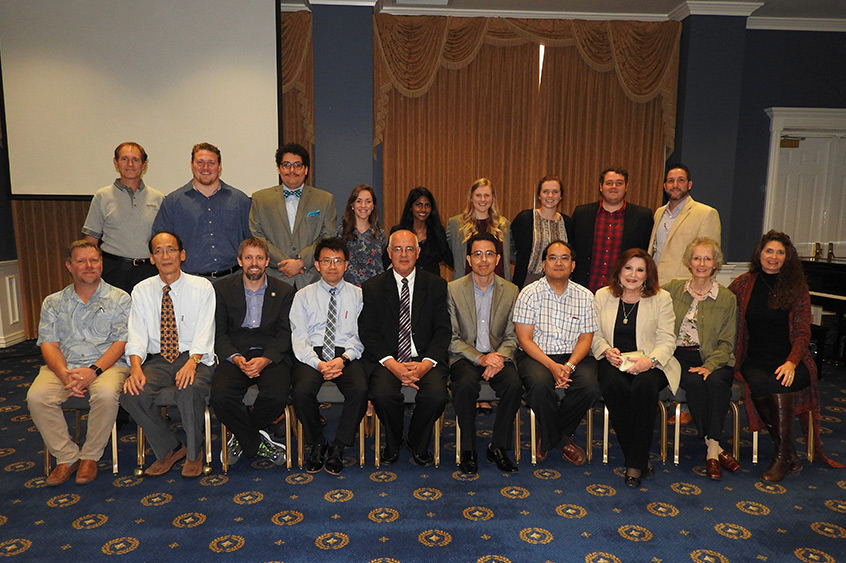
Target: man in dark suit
x=292 y=217
x=253 y=346
x=482 y=347
x=404 y=326
x=602 y=230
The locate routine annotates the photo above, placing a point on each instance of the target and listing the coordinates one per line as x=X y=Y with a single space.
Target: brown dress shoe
x=573 y=453
x=713 y=469
x=728 y=461
x=87 y=471
x=162 y=466
x=62 y=473
x=540 y=453
x=193 y=467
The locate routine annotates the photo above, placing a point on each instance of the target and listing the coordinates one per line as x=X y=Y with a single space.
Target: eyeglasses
x=486 y=253
x=330 y=261
x=169 y=251
x=563 y=258
x=295 y=165
x=402 y=249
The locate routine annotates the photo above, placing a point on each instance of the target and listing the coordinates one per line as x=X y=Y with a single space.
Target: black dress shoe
x=468 y=463
x=317 y=458
x=335 y=459
x=503 y=462
x=423 y=460
x=632 y=482
x=388 y=457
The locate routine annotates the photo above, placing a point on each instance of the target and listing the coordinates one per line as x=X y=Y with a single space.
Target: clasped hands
x=615 y=358
x=409 y=373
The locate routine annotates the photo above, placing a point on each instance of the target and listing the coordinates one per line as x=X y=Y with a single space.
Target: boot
x=777 y=413
x=784 y=403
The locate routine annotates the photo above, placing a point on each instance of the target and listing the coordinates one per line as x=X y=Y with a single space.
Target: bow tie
x=289 y=193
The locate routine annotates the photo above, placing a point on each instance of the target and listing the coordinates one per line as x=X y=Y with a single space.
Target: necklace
x=703 y=294
x=626 y=313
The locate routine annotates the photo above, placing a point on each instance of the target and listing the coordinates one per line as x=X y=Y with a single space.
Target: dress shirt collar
x=326 y=287
x=95 y=295
x=398 y=278
x=712 y=293
x=479 y=291
x=258 y=291
x=601 y=208
x=121 y=186
x=675 y=213
x=175 y=286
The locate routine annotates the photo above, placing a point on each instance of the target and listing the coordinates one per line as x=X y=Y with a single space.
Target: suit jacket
x=695 y=220
x=654 y=331
x=459 y=247
x=637 y=225
x=315 y=220
x=378 y=323
x=462 y=313
x=274 y=333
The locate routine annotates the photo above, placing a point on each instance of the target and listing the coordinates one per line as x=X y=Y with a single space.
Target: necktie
x=404 y=341
x=289 y=193
x=328 y=351
x=169 y=336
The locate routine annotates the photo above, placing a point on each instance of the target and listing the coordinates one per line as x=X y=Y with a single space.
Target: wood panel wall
x=43 y=230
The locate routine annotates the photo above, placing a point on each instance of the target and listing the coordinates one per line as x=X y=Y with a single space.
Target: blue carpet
x=552 y=512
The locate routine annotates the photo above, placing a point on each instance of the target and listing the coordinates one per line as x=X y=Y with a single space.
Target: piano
x=827 y=282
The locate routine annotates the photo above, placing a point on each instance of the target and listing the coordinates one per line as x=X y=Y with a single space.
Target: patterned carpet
x=552 y=512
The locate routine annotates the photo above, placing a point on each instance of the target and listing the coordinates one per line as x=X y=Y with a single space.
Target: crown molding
x=525 y=14
x=709 y=8
x=796 y=24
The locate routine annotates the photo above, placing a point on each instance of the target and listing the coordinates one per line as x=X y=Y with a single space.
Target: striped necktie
x=404 y=341
x=328 y=351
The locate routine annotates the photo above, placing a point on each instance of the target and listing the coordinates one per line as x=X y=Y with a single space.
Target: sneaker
x=270 y=450
x=274 y=439
x=234 y=449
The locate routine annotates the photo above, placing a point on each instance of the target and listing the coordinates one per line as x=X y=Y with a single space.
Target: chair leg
x=606 y=423
x=207 y=468
x=289 y=415
x=677 y=435
x=517 y=445
x=755 y=448
x=735 y=413
x=139 y=452
x=377 y=434
x=46 y=461
x=810 y=438
x=533 y=432
x=663 y=410
x=114 y=449
x=224 y=448
x=439 y=424
x=457 y=441
x=362 y=430
x=589 y=432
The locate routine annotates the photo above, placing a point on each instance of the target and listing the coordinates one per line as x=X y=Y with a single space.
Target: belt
x=220 y=273
x=133 y=261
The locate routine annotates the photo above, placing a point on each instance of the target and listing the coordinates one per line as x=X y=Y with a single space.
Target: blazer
x=459 y=247
x=378 y=322
x=695 y=220
x=522 y=241
x=716 y=323
x=274 y=333
x=637 y=225
x=462 y=314
x=315 y=220
x=653 y=333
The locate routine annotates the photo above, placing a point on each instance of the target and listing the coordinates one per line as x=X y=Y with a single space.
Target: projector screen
x=81 y=76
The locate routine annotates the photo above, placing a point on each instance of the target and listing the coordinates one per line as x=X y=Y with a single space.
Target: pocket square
x=313 y=213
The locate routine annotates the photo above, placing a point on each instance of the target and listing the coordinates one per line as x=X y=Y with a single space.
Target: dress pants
x=632 y=402
x=352 y=383
x=761 y=379
x=465 y=384
x=228 y=387
x=123 y=274
x=558 y=421
x=190 y=401
x=45 y=398
x=708 y=399
x=429 y=405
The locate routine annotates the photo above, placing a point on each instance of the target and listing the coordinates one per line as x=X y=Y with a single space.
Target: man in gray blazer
x=482 y=347
x=292 y=217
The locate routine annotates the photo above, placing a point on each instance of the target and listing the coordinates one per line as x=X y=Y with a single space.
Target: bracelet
x=571 y=366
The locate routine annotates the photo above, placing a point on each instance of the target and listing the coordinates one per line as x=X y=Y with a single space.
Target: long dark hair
x=791 y=282
x=435 y=233
x=348 y=222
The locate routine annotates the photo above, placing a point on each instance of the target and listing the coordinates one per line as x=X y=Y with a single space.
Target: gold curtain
x=297 y=79
x=458 y=98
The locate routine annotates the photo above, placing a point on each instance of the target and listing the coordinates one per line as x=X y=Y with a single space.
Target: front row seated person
x=324 y=325
x=482 y=347
x=171 y=343
x=253 y=345
x=555 y=321
x=634 y=344
x=404 y=326
x=82 y=334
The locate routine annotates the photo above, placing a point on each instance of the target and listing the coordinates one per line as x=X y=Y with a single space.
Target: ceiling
x=819 y=15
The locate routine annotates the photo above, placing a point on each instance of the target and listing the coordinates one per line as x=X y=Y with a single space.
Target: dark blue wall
x=7 y=229
x=710 y=78
x=781 y=69
x=343 y=100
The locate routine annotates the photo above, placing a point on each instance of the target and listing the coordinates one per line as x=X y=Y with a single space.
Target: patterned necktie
x=289 y=193
x=404 y=341
x=328 y=351
x=169 y=336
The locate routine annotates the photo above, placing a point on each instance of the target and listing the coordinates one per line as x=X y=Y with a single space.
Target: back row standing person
x=363 y=235
x=208 y=215
x=292 y=217
x=602 y=230
x=480 y=215
x=678 y=223
x=533 y=229
x=121 y=217
x=420 y=216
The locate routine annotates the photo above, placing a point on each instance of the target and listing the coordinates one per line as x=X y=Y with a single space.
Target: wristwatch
x=196 y=360
x=346 y=360
x=96 y=368
x=571 y=366
x=654 y=361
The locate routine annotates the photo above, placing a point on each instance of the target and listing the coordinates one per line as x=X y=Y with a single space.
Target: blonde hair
x=495 y=221
x=708 y=243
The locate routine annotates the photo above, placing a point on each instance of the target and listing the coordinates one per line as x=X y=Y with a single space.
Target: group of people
x=296 y=302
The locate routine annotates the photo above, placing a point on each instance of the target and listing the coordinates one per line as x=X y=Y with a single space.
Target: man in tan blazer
x=292 y=217
x=482 y=347
x=678 y=223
